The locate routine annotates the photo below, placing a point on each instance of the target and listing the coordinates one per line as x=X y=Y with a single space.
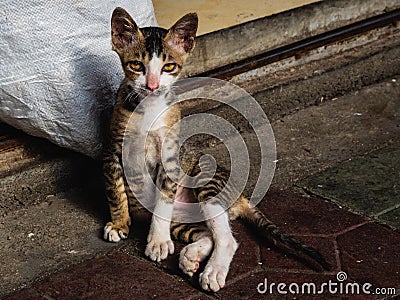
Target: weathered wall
x=216 y=15
x=245 y=40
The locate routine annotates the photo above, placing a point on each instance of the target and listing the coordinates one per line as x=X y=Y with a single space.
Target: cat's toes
x=189 y=260
x=158 y=250
x=113 y=233
x=213 y=278
x=192 y=254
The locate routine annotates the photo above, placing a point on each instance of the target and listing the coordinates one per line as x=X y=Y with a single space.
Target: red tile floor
x=366 y=251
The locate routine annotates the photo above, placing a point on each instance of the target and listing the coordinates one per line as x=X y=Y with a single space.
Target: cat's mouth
x=142 y=91
x=158 y=92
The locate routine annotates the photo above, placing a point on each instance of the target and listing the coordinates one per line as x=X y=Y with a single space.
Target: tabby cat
x=152 y=59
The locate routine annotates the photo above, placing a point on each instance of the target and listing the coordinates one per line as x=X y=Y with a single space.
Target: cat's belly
x=184 y=195
x=186 y=207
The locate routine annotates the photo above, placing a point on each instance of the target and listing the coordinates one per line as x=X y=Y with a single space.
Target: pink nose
x=153 y=82
x=152 y=86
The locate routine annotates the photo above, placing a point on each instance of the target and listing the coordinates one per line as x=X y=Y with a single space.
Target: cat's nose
x=152 y=82
x=152 y=86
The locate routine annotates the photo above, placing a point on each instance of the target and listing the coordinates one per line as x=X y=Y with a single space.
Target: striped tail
x=272 y=233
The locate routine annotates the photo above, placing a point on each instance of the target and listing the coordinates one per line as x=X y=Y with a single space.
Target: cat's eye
x=169 y=67
x=136 y=66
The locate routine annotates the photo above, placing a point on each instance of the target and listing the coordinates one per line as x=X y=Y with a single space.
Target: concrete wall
x=245 y=40
x=216 y=15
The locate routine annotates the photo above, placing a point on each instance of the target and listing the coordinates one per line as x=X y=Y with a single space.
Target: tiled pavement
x=368 y=185
x=364 y=250
x=356 y=244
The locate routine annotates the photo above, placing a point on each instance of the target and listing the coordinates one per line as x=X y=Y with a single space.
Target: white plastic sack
x=57 y=69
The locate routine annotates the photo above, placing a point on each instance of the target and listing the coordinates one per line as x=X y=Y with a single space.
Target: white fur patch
x=113 y=235
x=192 y=254
x=225 y=246
x=166 y=80
x=154 y=115
x=155 y=65
x=159 y=238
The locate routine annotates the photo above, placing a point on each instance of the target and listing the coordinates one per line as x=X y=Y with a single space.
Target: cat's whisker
x=132 y=96
x=128 y=98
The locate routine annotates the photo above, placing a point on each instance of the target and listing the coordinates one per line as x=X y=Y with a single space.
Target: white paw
x=213 y=277
x=189 y=260
x=158 y=249
x=112 y=234
x=192 y=254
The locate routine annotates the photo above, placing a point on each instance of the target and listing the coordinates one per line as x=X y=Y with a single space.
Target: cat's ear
x=124 y=31
x=181 y=35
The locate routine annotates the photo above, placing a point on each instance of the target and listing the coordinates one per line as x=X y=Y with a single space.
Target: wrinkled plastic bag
x=58 y=73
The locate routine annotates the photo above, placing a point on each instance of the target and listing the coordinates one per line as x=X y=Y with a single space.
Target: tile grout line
x=256 y=270
x=202 y=294
x=337 y=255
x=42 y=293
x=332 y=235
x=389 y=209
x=351 y=228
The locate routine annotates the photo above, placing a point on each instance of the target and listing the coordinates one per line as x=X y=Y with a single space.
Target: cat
x=152 y=59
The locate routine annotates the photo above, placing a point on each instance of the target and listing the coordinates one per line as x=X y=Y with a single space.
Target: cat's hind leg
x=214 y=275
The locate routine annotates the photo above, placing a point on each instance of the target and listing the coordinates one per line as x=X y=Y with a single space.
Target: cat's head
x=152 y=57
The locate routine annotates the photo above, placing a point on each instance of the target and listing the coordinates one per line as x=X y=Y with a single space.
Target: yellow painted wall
x=218 y=14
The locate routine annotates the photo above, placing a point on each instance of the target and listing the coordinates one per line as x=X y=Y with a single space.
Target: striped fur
x=139 y=51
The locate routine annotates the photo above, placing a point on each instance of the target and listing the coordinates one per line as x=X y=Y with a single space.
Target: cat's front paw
x=158 y=248
x=114 y=233
x=213 y=277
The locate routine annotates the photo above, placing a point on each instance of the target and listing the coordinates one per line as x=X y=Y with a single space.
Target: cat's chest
x=154 y=115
